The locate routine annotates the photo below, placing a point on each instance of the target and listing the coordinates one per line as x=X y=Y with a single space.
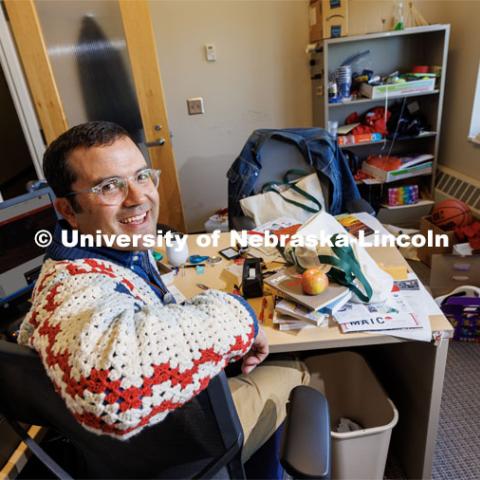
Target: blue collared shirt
x=139 y=262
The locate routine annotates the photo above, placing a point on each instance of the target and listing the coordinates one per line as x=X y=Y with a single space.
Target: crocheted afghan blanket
x=121 y=359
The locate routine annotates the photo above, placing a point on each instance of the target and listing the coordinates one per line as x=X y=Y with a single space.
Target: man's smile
x=137 y=219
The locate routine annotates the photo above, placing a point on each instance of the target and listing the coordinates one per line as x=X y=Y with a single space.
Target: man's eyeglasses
x=113 y=191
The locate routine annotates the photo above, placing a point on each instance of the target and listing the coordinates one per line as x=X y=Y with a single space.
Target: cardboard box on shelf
x=425 y=253
x=328 y=19
x=360 y=17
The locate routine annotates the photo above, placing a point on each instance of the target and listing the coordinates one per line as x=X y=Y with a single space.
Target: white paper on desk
x=424 y=306
x=394 y=314
x=396 y=304
x=382 y=323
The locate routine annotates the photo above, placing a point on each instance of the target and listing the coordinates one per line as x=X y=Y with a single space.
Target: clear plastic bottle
x=398 y=17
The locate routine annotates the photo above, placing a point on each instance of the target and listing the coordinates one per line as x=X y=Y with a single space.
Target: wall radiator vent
x=452 y=184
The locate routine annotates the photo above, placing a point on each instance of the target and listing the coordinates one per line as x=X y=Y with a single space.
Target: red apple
x=314 y=281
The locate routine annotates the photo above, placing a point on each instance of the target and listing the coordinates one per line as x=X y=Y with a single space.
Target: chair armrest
x=306 y=443
x=242 y=223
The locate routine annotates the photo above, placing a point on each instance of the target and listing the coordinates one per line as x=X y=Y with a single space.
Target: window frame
x=474 y=134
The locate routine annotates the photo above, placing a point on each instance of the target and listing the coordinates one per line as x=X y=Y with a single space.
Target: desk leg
x=413 y=374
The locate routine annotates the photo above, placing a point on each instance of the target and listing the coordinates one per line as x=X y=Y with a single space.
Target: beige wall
x=260 y=80
x=464 y=55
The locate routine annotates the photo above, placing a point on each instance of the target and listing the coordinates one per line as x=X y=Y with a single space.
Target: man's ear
x=65 y=209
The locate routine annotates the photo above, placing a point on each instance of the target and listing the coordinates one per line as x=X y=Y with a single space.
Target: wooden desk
x=412 y=373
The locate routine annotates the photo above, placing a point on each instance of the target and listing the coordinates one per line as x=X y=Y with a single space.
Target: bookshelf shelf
x=388 y=52
x=377 y=181
x=364 y=101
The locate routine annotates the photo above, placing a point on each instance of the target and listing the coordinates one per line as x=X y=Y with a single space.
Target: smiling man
x=118 y=349
x=124 y=210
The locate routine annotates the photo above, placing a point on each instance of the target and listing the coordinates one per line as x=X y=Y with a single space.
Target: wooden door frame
x=138 y=29
x=18 y=87
x=141 y=45
x=33 y=54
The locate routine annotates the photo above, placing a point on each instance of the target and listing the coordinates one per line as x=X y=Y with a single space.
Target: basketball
x=452 y=213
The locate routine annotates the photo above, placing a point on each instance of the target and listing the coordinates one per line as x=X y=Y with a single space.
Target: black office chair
x=279 y=156
x=203 y=439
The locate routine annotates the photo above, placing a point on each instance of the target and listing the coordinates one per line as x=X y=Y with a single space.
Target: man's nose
x=135 y=194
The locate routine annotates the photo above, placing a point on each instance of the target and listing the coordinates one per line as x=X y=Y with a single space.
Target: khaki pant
x=261 y=397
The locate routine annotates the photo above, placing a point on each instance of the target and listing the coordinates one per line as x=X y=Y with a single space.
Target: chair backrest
x=278 y=157
x=192 y=442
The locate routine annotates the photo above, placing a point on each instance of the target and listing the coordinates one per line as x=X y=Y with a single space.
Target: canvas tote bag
x=351 y=266
x=296 y=198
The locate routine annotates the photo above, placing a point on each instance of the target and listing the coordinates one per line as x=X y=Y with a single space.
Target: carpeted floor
x=457 y=453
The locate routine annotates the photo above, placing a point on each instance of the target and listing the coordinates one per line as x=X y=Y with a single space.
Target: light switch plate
x=210 y=52
x=195 y=106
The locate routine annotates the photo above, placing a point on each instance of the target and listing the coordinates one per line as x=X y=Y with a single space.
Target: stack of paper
x=296 y=310
x=291 y=316
x=285 y=322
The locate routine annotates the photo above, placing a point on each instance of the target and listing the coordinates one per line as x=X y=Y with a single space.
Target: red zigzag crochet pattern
x=102 y=347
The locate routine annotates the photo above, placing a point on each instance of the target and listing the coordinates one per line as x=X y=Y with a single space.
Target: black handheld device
x=229 y=253
x=252 y=281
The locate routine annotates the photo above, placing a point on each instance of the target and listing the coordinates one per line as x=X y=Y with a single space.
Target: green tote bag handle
x=271 y=187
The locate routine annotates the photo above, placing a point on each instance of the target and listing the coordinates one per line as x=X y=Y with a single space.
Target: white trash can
x=353 y=392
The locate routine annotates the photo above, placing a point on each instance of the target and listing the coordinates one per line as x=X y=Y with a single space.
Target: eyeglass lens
x=115 y=191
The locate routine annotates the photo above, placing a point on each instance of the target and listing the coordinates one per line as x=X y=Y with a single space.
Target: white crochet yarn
x=121 y=359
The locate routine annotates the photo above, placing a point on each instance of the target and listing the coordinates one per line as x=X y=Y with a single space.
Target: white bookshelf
x=389 y=52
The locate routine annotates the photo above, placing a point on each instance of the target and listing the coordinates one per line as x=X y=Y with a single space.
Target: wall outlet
x=195 y=106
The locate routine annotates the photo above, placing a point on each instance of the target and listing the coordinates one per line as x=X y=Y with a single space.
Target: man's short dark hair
x=58 y=173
